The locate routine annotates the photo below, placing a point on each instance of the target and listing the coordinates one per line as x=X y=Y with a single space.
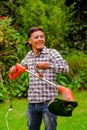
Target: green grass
x=17 y=117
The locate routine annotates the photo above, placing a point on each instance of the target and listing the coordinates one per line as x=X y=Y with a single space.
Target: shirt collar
x=44 y=51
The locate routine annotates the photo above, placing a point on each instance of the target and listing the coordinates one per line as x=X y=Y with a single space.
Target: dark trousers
x=35 y=113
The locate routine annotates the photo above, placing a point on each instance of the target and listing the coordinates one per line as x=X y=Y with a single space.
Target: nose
x=40 y=38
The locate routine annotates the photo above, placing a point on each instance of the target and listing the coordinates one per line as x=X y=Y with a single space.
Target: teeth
x=40 y=42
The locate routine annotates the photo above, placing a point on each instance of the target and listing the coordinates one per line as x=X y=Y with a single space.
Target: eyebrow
x=37 y=34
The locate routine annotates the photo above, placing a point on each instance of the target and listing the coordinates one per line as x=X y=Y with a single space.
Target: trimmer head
x=62 y=107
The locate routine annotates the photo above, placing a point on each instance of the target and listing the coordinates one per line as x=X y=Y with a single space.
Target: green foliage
x=11 y=51
x=53 y=16
x=64 y=21
x=18 y=88
x=77 y=37
x=77 y=76
x=9 y=40
x=65 y=29
x=2 y=93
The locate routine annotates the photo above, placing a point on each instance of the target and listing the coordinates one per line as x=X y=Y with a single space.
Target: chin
x=40 y=47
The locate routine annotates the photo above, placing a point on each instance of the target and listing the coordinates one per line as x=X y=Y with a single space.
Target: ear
x=29 y=41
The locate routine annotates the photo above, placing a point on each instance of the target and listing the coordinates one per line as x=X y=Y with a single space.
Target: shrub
x=77 y=76
x=11 y=51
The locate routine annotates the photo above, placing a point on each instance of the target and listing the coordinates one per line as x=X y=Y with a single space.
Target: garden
x=65 y=26
x=16 y=118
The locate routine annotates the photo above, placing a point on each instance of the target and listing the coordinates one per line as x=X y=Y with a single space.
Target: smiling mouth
x=41 y=43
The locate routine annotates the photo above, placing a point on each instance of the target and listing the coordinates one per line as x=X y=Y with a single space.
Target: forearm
x=61 y=67
x=57 y=63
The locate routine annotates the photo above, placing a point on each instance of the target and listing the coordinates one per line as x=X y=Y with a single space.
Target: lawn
x=16 y=118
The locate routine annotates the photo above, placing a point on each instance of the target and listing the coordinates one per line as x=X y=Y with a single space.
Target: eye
x=41 y=36
x=36 y=37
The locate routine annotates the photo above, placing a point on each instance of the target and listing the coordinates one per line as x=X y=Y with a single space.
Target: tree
x=78 y=35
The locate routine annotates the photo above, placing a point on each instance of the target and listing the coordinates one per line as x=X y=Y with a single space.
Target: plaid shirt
x=40 y=91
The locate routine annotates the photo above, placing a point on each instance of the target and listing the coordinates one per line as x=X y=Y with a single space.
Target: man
x=48 y=62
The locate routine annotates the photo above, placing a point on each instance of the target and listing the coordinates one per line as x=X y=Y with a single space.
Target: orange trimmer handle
x=67 y=94
x=18 y=70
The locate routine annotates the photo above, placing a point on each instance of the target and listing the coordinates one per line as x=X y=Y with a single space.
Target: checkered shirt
x=39 y=90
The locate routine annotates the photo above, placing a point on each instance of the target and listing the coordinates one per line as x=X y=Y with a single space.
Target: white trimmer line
x=10 y=109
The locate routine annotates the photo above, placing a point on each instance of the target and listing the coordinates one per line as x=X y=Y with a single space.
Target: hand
x=13 y=69
x=42 y=65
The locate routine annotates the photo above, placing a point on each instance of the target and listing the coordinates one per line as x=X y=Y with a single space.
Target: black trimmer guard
x=62 y=107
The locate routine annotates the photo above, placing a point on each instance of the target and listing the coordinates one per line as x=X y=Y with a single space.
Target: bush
x=11 y=51
x=77 y=76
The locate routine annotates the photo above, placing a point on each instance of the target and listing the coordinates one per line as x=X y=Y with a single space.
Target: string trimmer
x=60 y=107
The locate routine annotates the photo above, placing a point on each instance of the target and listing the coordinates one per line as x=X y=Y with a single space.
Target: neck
x=36 y=52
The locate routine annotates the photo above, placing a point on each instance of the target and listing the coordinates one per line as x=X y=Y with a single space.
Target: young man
x=48 y=62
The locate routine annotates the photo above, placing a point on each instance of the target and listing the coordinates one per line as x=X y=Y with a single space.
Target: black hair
x=33 y=29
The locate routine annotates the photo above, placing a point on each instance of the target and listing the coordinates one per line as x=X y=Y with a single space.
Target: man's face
x=37 y=40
